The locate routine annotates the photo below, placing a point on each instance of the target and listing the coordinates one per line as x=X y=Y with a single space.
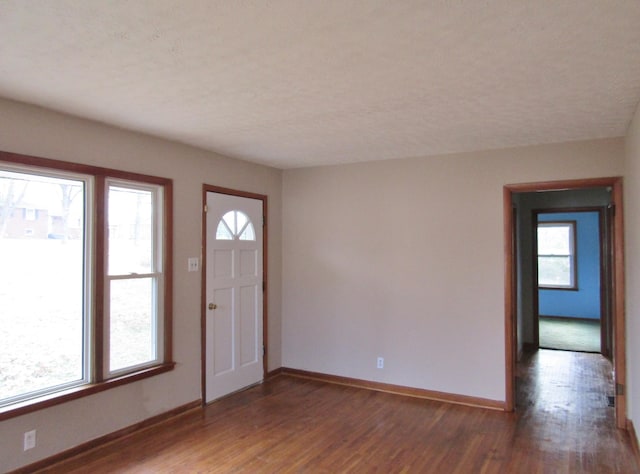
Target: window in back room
x=556 y=255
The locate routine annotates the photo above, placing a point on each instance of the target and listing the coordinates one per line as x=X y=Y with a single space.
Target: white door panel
x=234 y=333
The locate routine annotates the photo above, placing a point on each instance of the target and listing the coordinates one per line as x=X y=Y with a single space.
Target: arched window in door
x=235 y=225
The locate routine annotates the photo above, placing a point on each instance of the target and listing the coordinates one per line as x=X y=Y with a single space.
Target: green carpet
x=570 y=335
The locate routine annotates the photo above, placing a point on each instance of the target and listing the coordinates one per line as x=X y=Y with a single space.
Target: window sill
x=561 y=288
x=57 y=398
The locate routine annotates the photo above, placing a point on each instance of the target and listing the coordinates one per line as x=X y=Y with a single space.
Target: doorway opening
x=571 y=297
x=523 y=204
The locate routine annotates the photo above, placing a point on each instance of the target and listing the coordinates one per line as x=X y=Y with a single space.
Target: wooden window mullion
x=99 y=278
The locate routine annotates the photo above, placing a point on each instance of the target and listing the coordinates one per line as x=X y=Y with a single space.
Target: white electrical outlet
x=30 y=440
x=193 y=264
x=381 y=362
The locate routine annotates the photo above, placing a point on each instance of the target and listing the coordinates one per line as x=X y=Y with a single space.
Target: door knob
x=212 y=306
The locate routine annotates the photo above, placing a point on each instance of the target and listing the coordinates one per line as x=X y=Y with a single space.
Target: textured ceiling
x=293 y=83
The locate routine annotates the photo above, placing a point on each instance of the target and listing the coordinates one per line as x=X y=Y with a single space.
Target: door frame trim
x=207 y=188
x=618 y=303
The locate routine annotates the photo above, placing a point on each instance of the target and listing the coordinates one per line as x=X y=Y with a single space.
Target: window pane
x=230 y=220
x=554 y=240
x=41 y=283
x=132 y=323
x=223 y=232
x=241 y=219
x=554 y=271
x=248 y=233
x=130 y=231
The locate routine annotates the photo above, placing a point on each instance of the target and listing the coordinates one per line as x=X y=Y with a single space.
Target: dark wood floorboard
x=562 y=425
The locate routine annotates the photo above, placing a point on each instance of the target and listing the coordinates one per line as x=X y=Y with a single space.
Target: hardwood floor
x=562 y=424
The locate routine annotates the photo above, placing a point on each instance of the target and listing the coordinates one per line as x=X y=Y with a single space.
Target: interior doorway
x=519 y=293
x=572 y=287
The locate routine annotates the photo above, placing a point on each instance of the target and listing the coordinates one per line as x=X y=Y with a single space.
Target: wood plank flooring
x=562 y=424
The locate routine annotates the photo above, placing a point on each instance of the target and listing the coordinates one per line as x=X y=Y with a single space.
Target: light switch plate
x=193 y=264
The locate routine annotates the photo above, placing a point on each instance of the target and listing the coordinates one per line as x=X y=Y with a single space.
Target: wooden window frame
x=573 y=256
x=100 y=380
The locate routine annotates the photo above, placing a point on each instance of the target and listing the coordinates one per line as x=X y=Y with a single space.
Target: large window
x=84 y=280
x=556 y=255
x=43 y=296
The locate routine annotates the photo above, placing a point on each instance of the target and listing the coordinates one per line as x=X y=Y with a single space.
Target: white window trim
x=573 y=284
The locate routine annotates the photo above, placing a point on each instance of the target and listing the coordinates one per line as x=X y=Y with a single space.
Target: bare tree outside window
x=51 y=226
x=12 y=192
x=68 y=194
x=41 y=284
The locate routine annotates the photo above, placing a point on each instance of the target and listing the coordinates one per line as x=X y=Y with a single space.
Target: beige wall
x=404 y=259
x=401 y=259
x=632 y=266
x=34 y=131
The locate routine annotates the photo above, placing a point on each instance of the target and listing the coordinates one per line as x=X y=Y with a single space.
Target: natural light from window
x=83 y=280
x=556 y=267
x=42 y=300
x=132 y=275
x=235 y=225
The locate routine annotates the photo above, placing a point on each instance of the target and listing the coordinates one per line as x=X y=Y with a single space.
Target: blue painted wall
x=584 y=303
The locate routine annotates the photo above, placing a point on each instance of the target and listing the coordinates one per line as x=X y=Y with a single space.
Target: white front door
x=234 y=340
